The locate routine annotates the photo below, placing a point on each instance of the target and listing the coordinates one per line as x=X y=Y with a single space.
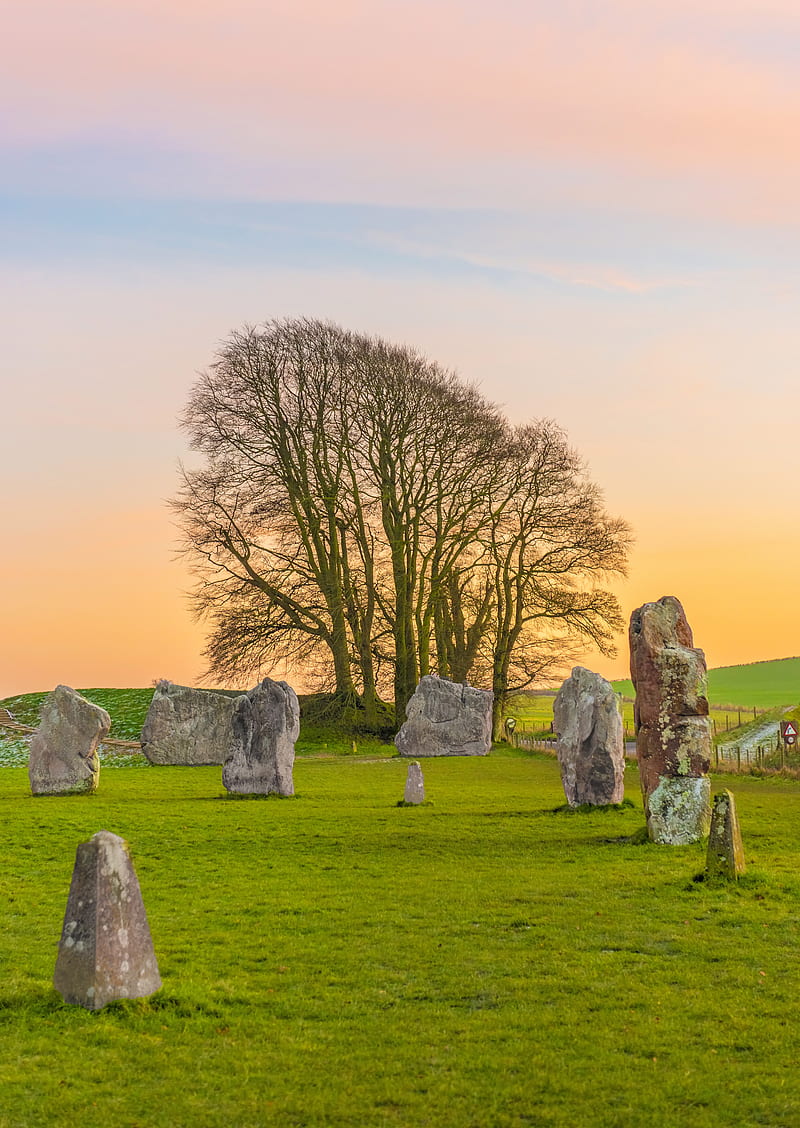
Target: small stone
x=590 y=748
x=266 y=724
x=444 y=718
x=415 y=786
x=186 y=726
x=725 y=856
x=106 y=951
x=63 y=758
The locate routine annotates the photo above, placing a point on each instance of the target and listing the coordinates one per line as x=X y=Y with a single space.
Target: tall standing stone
x=415 y=785
x=444 y=718
x=188 y=726
x=590 y=748
x=725 y=855
x=63 y=758
x=266 y=724
x=673 y=731
x=105 y=952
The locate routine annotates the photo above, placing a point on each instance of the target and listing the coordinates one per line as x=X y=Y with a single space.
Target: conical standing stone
x=105 y=952
x=415 y=787
x=725 y=856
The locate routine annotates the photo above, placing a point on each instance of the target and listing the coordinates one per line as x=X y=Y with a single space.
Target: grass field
x=763 y=684
x=338 y=960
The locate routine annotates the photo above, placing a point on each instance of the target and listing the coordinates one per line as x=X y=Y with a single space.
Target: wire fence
x=8 y=723
x=770 y=756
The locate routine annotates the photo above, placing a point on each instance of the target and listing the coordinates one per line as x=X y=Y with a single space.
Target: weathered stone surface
x=415 y=786
x=590 y=748
x=678 y=810
x=725 y=855
x=266 y=724
x=186 y=726
x=673 y=731
x=105 y=952
x=63 y=757
x=446 y=719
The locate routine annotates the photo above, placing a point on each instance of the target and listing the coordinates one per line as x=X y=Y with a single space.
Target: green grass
x=336 y=960
x=763 y=684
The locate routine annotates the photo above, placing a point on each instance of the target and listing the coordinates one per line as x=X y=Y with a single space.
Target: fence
x=532 y=743
x=761 y=757
x=728 y=758
x=8 y=722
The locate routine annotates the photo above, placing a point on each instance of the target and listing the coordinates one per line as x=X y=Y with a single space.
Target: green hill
x=763 y=684
x=126 y=707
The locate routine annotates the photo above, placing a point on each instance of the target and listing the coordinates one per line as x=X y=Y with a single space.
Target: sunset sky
x=588 y=208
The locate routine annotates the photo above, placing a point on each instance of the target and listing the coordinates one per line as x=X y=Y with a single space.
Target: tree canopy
x=367 y=517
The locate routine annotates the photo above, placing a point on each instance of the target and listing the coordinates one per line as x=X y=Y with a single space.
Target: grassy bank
x=763 y=684
x=337 y=960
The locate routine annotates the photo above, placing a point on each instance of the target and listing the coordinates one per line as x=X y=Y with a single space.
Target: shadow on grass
x=591 y=809
x=36 y=1000
x=44 y=1001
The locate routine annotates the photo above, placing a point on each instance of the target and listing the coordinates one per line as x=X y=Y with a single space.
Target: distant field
x=763 y=684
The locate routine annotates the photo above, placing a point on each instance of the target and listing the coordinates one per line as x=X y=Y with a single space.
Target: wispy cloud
x=390 y=101
x=592 y=275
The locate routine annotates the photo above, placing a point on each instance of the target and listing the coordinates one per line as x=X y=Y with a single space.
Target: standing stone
x=64 y=757
x=266 y=724
x=590 y=748
x=725 y=856
x=446 y=719
x=188 y=726
x=673 y=731
x=415 y=786
x=105 y=952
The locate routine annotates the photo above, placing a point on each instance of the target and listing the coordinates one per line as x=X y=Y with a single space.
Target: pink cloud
x=373 y=90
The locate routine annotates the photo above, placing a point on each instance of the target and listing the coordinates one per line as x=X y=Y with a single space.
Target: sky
x=587 y=208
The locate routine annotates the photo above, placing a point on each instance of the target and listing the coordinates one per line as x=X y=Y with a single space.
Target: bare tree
x=550 y=542
x=334 y=489
x=362 y=511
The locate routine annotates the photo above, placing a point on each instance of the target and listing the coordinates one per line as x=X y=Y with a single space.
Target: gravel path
x=765 y=735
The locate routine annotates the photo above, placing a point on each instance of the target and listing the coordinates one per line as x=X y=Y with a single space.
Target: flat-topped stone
x=63 y=757
x=106 y=951
x=444 y=718
x=187 y=726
